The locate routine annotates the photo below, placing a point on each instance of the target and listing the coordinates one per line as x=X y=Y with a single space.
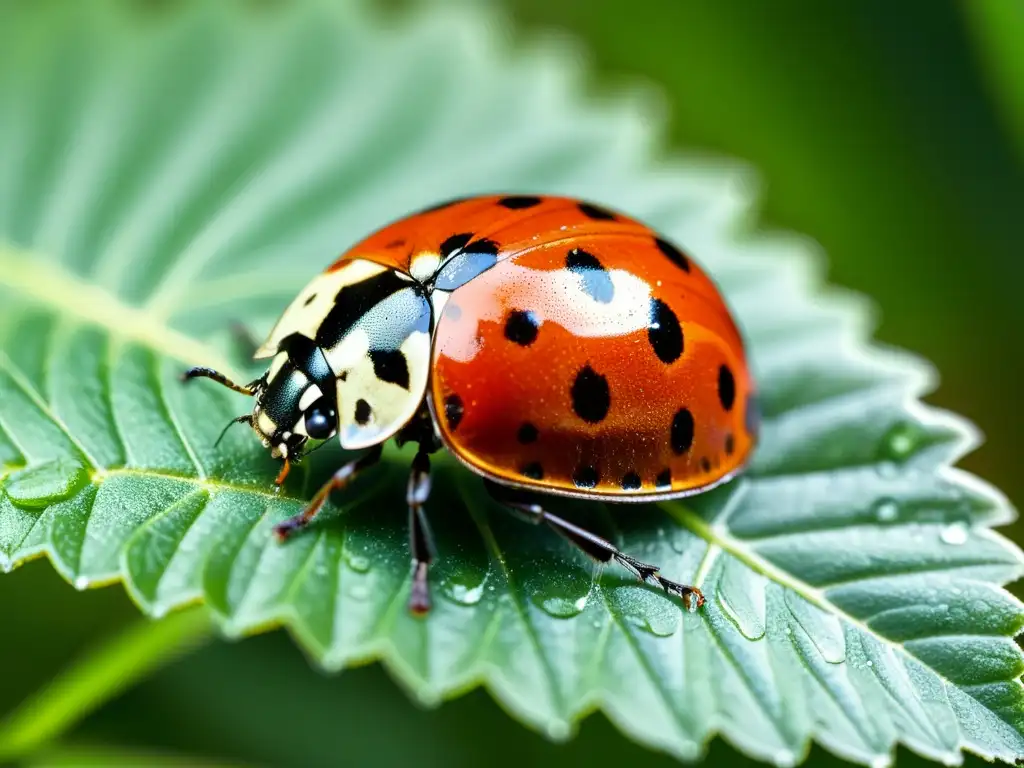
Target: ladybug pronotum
x=553 y=346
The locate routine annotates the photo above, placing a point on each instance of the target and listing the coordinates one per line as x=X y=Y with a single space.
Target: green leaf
x=165 y=173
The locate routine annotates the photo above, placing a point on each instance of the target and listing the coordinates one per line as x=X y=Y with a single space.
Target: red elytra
x=553 y=346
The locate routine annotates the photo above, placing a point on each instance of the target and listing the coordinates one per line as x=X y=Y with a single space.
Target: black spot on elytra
x=592 y=211
x=664 y=332
x=676 y=256
x=664 y=479
x=596 y=280
x=363 y=412
x=591 y=397
x=630 y=481
x=310 y=300
x=454 y=243
x=730 y=444
x=682 y=431
x=521 y=327
x=515 y=202
x=527 y=433
x=533 y=470
x=390 y=365
x=726 y=387
x=453 y=411
x=705 y=464
x=585 y=476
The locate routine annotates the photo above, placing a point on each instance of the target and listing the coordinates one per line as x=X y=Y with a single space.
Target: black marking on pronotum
x=363 y=412
x=664 y=479
x=307 y=357
x=354 y=301
x=596 y=280
x=390 y=365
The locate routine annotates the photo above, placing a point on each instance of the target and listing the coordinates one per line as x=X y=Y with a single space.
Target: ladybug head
x=288 y=410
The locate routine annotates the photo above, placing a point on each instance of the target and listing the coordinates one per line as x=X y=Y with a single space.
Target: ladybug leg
x=338 y=480
x=594 y=546
x=420 y=541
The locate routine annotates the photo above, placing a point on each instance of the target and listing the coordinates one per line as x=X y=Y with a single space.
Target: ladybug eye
x=320 y=420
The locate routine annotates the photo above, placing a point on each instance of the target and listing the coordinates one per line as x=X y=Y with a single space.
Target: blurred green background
x=891 y=133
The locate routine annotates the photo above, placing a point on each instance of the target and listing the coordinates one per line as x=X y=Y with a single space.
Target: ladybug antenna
x=247 y=419
x=220 y=378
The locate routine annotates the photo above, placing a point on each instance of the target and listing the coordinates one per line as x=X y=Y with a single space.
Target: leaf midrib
x=34 y=277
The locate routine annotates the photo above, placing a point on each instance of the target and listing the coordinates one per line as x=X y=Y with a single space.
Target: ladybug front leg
x=338 y=480
x=420 y=541
x=593 y=545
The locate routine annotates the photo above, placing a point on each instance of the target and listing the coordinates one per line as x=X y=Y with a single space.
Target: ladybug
x=553 y=346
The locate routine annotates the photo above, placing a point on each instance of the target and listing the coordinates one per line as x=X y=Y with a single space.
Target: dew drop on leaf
x=464 y=587
x=358 y=563
x=954 y=534
x=562 y=607
x=900 y=442
x=886 y=511
x=41 y=485
x=81 y=583
x=660 y=619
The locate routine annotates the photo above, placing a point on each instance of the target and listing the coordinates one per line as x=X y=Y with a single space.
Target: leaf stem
x=98 y=676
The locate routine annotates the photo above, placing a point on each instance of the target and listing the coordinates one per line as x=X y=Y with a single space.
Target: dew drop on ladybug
x=554 y=346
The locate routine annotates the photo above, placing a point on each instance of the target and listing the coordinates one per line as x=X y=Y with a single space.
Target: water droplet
x=159 y=611
x=558 y=730
x=358 y=592
x=464 y=588
x=564 y=598
x=784 y=758
x=870 y=663
x=789 y=630
x=81 y=583
x=751 y=628
x=6 y=565
x=660 y=618
x=886 y=511
x=900 y=442
x=563 y=607
x=954 y=534
x=881 y=761
x=358 y=563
